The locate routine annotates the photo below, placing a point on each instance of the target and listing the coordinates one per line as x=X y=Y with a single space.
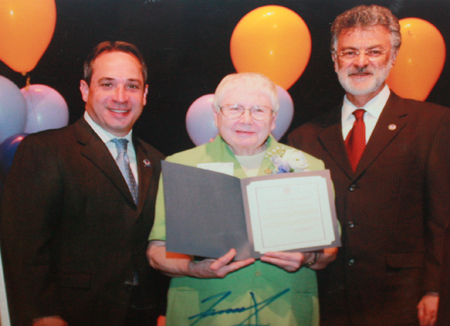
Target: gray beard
x=375 y=84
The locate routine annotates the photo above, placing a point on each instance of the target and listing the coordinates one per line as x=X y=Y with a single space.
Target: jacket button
x=128 y=285
x=352 y=187
x=351 y=262
x=350 y=224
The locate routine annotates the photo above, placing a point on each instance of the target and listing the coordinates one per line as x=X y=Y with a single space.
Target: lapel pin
x=147 y=163
x=392 y=127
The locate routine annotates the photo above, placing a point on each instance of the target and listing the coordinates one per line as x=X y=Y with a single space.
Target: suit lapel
x=145 y=171
x=97 y=152
x=391 y=122
x=332 y=141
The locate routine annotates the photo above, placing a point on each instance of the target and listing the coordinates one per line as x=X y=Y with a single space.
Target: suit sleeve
x=437 y=210
x=30 y=212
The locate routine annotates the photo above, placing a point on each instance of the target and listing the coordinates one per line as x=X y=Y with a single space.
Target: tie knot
x=359 y=113
x=121 y=144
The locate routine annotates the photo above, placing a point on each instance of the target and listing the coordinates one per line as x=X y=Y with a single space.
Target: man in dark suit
x=74 y=227
x=390 y=166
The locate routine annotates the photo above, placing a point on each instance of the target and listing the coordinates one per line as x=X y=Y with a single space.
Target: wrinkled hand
x=292 y=261
x=211 y=268
x=49 y=321
x=427 y=309
x=289 y=261
x=326 y=256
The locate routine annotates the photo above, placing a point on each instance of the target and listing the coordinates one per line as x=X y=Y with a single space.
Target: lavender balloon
x=13 y=109
x=200 y=120
x=46 y=108
x=285 y=114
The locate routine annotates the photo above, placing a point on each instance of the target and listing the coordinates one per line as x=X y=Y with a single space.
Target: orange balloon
x=420 y=60
x=274 y=41
x=26 y=28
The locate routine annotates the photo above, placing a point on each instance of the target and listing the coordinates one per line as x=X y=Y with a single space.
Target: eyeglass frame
x=245 y=109
x=358 y=53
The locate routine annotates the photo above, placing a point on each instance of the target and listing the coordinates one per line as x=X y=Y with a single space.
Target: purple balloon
x=200 y=120
x=13 y=109
x=7 y=150
x=46 y=108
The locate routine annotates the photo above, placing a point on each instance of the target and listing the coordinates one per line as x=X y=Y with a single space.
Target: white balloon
x=285 y=114
x=200 y=120
x=13 y=109
x=46 y=108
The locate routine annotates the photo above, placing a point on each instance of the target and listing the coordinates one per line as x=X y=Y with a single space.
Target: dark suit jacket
x=72 y=236
x=392 y=211
x=443 y=318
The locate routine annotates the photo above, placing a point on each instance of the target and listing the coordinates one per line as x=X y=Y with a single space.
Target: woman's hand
x=177 y=265
x=289 y=261
x=212 y=268
x=292 y=261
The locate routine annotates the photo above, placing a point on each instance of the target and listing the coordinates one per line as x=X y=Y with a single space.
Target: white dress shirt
x=373 y=111
x=106 y=137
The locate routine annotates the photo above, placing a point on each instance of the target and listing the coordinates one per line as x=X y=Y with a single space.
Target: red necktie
x=356 y=139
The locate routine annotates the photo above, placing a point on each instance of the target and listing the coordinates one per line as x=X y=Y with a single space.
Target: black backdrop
x=186 y=46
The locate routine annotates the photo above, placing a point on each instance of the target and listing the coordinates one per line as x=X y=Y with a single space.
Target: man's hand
x=427 y=309
x=50 y=321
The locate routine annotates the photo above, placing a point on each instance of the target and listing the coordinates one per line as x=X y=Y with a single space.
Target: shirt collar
x=374 y=106
x=102 y=133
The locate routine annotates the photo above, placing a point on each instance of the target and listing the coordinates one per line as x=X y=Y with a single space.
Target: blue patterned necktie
x=123 y=162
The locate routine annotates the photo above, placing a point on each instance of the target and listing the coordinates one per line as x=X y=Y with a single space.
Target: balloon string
x=27 y=83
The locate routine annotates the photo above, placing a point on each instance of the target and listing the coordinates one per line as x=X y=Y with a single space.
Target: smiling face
x=363 y=78
x=117 y=92
x=245 y=135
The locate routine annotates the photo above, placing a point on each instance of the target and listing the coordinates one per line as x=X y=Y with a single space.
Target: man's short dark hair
x=117 y=46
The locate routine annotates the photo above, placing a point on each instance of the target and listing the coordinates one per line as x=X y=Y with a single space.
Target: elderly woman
x=280 y=288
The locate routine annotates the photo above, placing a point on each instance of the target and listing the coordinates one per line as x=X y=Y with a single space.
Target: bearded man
x=389 y=161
